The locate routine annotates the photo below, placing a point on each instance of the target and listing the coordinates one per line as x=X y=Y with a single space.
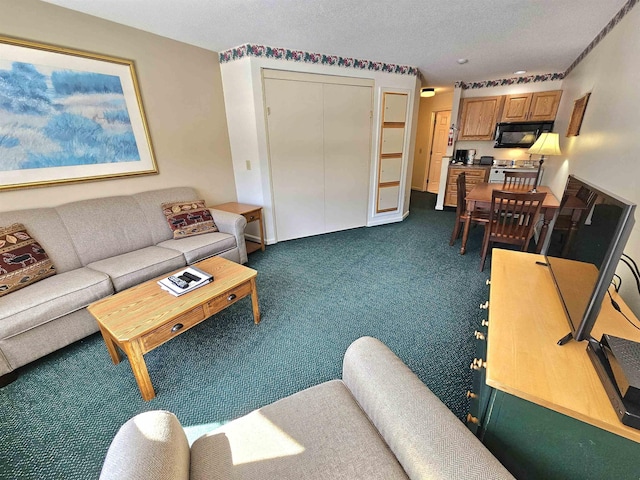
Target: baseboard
x=383 y=221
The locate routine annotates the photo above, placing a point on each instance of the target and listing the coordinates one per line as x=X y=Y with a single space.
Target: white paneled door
x=320 y=155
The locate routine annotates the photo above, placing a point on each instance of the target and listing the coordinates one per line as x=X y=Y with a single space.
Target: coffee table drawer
x=229 y=298
x=169 y=330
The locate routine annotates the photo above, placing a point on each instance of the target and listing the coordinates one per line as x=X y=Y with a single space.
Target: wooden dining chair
x=511 y=219
x=478 y=217
x=572 y=217
x=519 y=180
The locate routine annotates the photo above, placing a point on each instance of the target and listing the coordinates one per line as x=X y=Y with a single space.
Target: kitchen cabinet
x=531 y=107
x=474 y=174
x=478 y=117
x=538 y=407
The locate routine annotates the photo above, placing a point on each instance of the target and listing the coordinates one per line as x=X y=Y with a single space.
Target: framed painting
x=579 y=106
x=68 y=116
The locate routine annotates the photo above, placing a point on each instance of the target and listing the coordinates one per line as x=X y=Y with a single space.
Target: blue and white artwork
x=55 y=117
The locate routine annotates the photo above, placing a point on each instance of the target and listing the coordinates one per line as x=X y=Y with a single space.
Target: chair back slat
x=513 y=216
x=519 y=180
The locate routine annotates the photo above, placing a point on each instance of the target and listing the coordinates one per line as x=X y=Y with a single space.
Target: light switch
x=248 y=164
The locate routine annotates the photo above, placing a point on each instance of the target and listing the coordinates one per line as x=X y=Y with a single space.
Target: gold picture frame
x=69 y=116
x=579 y=107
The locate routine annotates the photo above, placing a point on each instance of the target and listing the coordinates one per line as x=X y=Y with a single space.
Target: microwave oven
x=519 y=134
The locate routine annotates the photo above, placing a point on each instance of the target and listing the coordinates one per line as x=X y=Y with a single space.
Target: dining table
x=479 y=198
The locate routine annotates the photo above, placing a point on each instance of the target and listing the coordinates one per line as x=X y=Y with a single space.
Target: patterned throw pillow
x=22 y=260
x=189 y=218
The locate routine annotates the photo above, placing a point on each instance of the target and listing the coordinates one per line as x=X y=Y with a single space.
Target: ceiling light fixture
x=520 y=72
x=427 y=92
x=462 y=61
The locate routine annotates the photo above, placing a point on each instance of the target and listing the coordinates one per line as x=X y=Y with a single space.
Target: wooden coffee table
x=144 y=317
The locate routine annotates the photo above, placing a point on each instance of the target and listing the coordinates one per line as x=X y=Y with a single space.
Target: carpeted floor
x=401 y=283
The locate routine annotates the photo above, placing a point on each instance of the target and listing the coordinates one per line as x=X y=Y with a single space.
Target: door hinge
x=268 y=111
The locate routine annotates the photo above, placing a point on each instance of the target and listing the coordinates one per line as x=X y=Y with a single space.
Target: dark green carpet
x=401 y=283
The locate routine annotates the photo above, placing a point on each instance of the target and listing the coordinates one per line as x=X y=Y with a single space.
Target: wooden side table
x=252 y=213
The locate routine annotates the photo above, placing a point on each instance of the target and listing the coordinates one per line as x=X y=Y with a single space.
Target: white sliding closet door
x=347 y=155
x=295 y=120
x=320 y=155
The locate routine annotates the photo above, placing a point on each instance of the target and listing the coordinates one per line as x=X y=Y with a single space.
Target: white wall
x=181 y=90
x=243 y=94
x=607 y=151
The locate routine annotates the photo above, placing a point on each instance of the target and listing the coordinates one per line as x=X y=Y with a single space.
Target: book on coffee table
x=185 y=281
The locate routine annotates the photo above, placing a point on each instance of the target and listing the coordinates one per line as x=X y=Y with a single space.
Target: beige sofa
x=379 y=422
x=98 y=247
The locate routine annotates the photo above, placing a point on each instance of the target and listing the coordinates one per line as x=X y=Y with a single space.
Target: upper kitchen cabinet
x=531 y=107
x=479 y=116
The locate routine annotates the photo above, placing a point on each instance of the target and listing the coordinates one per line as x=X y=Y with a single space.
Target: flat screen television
x=583 y=260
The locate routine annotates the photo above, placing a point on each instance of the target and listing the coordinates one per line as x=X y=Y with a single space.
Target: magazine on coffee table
x=185 y=281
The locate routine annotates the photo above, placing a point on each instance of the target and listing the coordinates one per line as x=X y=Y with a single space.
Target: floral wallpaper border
x=554 y=76
x=252 y=50
x=510 y=81
x=603 y=33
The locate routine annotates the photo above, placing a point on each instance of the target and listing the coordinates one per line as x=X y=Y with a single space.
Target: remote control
x=191 y=277
x=178 y=281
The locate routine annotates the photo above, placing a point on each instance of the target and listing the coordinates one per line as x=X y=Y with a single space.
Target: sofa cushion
x=22 y=260
x=199 y=247
x=132 y=268
x=46 y=225
x=188 y=218
x=51 y=298
x=318 y=433
x=105 y=227
x=150 y=202
x=158 y=444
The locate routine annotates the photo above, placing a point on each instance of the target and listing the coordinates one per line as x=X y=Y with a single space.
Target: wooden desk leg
x=112 y=348
x=261 y=231
x=465 y=231
x=139 y=368
x=547 y=217
x=254 y=302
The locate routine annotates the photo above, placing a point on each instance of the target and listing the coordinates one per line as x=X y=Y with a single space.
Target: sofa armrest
x=150 y=446
x=426 y=438
x=233 y=224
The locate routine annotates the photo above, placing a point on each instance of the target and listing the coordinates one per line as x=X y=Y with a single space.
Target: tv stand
x=564 y=340
x=540 y=409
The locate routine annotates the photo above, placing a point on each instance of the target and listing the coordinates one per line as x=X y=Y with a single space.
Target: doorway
x=439 y=140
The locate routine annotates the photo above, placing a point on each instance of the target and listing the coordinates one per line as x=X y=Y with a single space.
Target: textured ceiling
x=497 y=36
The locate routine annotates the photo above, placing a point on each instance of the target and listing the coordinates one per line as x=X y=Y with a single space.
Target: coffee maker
x=460 y=156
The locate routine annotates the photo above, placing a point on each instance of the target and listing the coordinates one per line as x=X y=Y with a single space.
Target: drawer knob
x=472 y=419
x=251 y=218
x=478 y=363
x=231 y=297
x=470 y=394
x=485 y=305
x=176 y=327
x=484 y=323
x=478 y=335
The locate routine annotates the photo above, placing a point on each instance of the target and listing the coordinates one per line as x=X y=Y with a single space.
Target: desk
x=544 y=401
x=480 y=197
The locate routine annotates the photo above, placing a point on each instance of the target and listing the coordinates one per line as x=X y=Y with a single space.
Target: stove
x=496 y=174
